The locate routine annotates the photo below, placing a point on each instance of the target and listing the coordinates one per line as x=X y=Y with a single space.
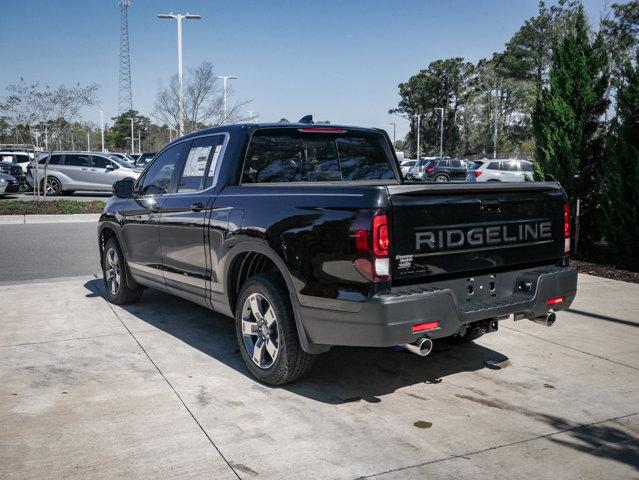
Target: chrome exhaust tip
x=422 y=346
x=546 y=320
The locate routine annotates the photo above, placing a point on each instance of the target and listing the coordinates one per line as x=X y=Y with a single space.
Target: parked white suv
x=500 y=171
x=71 y=171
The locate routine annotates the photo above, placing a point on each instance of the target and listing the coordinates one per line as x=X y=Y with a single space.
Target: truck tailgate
x=458 y=228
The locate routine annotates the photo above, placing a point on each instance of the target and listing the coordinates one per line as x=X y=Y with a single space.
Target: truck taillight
x=566 y=228
x=373 y=247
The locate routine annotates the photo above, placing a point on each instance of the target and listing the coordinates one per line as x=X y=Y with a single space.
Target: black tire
x=291 y=361
x=441 y=178
x=55 y=186
x=123 y=294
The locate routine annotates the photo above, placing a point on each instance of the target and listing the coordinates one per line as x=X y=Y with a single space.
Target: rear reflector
x=321 y=130
x=422 y=327
x=555 y=301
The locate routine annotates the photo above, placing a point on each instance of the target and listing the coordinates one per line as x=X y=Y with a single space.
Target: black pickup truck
x=308 y=235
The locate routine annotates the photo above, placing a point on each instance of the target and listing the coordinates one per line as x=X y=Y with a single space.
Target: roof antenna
x=306 y=119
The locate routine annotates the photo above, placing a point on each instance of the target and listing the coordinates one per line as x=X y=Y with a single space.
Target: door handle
x=197 y=207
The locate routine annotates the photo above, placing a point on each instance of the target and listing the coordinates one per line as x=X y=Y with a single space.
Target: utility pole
x=394 y=128
x=179 y=17
x=132 y=137
x=72 y=141
x=496 y=122
x=225 y=78
x=139 y=143
x=419 y=120
x=441 y=133
x=88 y=140
x=251 y=112
x=102 y=128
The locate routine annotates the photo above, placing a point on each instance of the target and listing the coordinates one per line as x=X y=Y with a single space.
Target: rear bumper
x=387 y=320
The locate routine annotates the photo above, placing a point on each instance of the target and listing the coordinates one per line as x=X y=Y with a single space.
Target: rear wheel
x=266 y=332
x=441 y=178
x=113 y=265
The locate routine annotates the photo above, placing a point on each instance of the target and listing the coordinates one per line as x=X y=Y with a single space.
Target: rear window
x=279 y=155
x=55 y=159
x=526 y=167
x=475 y=165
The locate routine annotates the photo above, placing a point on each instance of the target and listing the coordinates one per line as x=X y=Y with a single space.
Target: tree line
x=51 y=117
x=562 y=93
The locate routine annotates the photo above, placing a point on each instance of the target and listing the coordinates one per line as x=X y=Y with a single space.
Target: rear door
x=447 y=229
x=76 y=169
x=457 y=170
x=183 y=219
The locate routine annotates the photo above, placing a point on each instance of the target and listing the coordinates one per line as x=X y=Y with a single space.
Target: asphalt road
x=39 y=251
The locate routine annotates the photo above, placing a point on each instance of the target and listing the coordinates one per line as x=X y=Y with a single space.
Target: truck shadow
x=344 y=374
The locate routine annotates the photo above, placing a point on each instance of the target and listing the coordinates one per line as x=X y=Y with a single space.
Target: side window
x=55 y=160
x=509 y=166
x=22 y=158
x=100 y=162
x=158 y=177
x=527 y=167
x=493 y=166
x=77 y=160
x=6 y=157
x=198 y=164
x=443 y=163
x=456 y=163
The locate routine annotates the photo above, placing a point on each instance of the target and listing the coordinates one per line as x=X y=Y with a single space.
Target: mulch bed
x=606 y=271
x=17 y=207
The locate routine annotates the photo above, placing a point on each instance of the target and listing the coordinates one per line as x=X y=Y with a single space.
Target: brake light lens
x=380 y=235
x=477 y=174
x=429 y=169
x=555 y=301
x=321 y=130
x=566 y=228
x=373 y=248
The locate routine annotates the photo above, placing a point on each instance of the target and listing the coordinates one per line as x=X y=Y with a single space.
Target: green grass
x=18 y=207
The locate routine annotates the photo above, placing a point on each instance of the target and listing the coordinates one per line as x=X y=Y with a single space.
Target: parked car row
x=71 y=171
x=461 y=170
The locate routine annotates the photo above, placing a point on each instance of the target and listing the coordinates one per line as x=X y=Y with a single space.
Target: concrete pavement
x=158 y=389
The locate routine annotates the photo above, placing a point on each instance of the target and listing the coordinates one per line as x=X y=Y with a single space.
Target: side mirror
x=124 y=188
x=110 y=166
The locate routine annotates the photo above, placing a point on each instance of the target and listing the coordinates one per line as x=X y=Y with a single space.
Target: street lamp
x=419 y=120
x=225 y=78
x=441 y=133
x=101 y=127
x=394 y=127
x=179 y=17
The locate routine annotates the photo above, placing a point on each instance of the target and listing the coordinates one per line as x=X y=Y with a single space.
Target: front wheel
x=117 y=290
x=266 y=332
x=52 y=186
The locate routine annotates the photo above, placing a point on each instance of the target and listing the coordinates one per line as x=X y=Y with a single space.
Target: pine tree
x=567 y=120
x=620 y=203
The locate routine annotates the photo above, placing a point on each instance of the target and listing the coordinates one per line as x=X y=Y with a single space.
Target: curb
x=33 y=219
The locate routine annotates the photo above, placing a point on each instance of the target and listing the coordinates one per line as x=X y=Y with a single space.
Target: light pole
x=225 y=78
x=132 y=137
x=441 y=132
x=419 y=120
x=251 y=112
x=102 y=127
x=179 y=17
x=171 y=130
x=88 y=140
x=139 y=142
x=496 y=122
x=394 y=128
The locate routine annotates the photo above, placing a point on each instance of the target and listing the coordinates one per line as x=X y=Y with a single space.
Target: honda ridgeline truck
x=309 y=237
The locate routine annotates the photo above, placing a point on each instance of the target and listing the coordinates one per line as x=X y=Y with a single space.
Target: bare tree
x=31 y=106
x=203 y=100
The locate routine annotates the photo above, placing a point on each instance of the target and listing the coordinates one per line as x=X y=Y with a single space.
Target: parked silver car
x=71 y=171
x=500 y=171
x=8 y=184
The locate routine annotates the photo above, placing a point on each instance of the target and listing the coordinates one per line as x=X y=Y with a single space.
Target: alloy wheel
x=52 y=186
x=113 y=271
x=259 y=330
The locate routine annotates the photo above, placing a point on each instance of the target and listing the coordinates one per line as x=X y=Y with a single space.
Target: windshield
x=119 y=161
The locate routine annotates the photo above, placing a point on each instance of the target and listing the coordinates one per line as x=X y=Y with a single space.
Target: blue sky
x=339 y=60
